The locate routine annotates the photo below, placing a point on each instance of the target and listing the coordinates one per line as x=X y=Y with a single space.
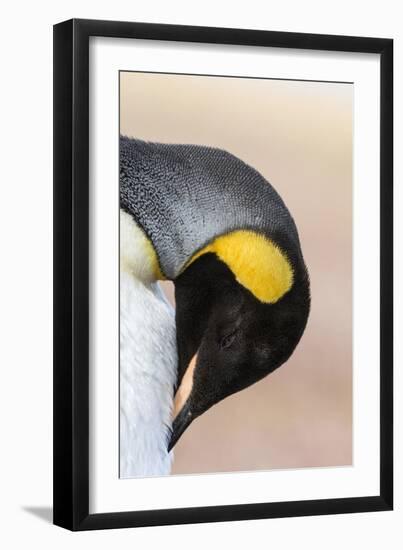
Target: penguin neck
x=137 y=254
x=185 y=196
x=255 y=261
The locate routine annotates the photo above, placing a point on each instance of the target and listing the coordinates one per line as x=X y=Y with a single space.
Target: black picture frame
x=71 y=274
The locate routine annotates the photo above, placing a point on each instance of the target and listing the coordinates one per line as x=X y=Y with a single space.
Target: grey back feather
x=183 y=196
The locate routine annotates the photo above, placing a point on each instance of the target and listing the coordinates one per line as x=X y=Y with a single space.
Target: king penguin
x=204 y=219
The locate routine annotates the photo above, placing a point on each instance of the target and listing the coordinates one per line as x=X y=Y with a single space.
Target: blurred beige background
x=299 y=136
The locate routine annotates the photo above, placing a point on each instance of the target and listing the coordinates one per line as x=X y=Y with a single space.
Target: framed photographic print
x=223 y=274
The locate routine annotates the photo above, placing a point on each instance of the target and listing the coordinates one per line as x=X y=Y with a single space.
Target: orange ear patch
x=257 y=263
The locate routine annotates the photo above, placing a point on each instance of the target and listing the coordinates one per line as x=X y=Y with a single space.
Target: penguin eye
x=227 y=340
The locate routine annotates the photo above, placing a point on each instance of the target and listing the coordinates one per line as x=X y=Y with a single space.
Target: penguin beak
x=183 y=415
x=181 y=422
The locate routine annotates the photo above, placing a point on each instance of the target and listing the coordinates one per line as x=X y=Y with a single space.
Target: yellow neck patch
x=137 y=254
x=256 y=262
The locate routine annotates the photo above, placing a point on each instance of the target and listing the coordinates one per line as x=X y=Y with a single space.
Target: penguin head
x=222 y=233
x=241 y=308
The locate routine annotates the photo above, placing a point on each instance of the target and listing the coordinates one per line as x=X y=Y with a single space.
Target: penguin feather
x=148 y=359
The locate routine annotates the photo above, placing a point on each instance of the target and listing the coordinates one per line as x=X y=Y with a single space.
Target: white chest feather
x=148 y=360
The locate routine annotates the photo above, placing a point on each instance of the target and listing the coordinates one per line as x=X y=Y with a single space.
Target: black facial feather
x=239 y=339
